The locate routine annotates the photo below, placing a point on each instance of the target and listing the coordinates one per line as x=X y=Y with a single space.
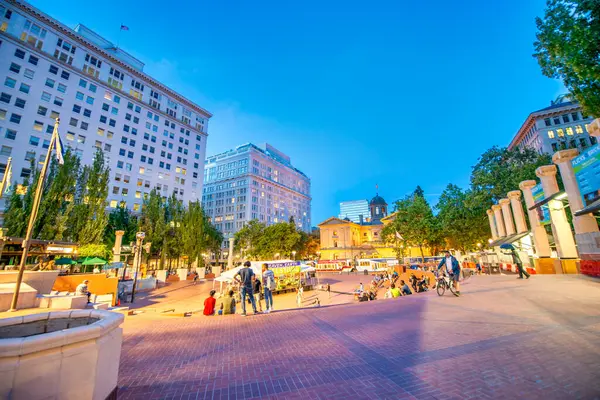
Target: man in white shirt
x=452 y=269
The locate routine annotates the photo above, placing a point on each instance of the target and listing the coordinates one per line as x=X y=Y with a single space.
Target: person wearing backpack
x=269 y=286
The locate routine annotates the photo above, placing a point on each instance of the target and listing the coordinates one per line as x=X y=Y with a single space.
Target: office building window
x=10 y=82
x=24 y=88
x=20 y=103
x=16 y=68
x=10 y=134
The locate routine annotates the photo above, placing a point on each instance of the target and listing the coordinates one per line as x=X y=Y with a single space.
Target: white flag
x=60 y=150
x=8 y=179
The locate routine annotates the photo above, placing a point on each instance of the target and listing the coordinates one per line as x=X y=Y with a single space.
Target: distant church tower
x=378 y=207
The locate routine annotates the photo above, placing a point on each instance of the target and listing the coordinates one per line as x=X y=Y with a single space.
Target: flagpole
x=6 y=176
x=33 y=216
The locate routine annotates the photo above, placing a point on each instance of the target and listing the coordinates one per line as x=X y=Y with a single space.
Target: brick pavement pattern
x=504 y=338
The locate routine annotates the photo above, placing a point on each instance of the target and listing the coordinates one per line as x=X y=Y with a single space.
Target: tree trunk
x=422 y=255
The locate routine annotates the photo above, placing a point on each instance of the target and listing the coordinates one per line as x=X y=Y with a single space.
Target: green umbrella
x=64 y=261
x=93 y=261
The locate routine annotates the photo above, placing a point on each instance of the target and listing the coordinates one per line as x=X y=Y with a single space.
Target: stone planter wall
x=60 y=355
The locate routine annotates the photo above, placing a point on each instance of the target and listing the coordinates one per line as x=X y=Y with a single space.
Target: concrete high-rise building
x=255 y=182
x=152 y=137
x=562 y=125
x=355 y=210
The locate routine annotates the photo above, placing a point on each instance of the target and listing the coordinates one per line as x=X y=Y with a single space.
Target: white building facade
x=355 y=210
x=562 y=125
x=151 y=136
x=254 y=182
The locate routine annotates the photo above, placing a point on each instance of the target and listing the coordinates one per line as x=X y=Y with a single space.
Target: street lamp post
x=139 y=239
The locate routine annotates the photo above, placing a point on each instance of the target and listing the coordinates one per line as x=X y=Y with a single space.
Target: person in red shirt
x=209 y=304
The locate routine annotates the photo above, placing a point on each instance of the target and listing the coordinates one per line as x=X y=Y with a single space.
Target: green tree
x=95 y=250
x=281 y=238
x=568 y=48
x=463 y=222
x=213 y=238
x=153 y=223
x=414 y=221
x=58 y=194
x=193 y=226
x=174 y=212
x=499 y=170
x=120 y=219
x=247 y=239
x=15 y=214
x=88 y=219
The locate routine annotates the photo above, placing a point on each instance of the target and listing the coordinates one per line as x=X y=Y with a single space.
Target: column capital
x=515 y=194
x=504 y=202
x=119 y=233
x=490 y=212
x=546 y=170
x=594 y=128
x=496 y=207
x=525 y=185
x=563 y=156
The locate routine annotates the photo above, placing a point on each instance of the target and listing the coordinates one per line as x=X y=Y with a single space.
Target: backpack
x=271 y=283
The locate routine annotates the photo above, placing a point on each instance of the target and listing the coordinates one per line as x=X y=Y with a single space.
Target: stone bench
x=61 y=301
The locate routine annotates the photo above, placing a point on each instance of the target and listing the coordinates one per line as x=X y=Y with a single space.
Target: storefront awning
x=555 y=196
x=592 y=208
x=508 y=239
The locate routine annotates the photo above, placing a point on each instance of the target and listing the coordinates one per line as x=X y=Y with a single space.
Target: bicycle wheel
x=441 y=287
x=452 y=288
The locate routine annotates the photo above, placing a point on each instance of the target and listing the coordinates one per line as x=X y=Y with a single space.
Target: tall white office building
x=255 y=182
x=152 y=137
x=355 y=210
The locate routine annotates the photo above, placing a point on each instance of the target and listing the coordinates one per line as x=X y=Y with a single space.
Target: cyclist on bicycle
x=452 y=268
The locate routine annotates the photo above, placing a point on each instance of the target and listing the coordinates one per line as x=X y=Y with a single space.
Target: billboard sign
x=543 y=211
x=587 y=173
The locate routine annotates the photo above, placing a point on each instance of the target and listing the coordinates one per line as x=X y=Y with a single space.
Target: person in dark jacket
x=452 y=268
x=516 y=260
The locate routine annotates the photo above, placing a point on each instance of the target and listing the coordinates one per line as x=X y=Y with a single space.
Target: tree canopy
x=568 y=48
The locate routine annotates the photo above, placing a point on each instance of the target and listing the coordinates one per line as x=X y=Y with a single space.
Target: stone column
x=490 y=214
x=230 y=255
x=563 y=237
x=508 y=218
x=587 y=234
x=584 y=223
x=499 y=221
x=540 y=238
x=517 y=209
x=118 y=244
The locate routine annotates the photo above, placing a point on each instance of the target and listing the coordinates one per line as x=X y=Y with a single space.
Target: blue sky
x=391 y=93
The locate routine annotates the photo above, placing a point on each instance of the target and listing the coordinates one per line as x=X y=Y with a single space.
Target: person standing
x=257 y=291
x=246 y=278
x=329 y=289
x=516 y=260
x=268 y=287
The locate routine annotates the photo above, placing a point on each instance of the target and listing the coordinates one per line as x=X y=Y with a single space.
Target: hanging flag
x=8 y=178
x=60 y=150
x=124 y=28
x=399 y=236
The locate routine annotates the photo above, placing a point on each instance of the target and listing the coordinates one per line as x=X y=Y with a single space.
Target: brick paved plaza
x=504 y=338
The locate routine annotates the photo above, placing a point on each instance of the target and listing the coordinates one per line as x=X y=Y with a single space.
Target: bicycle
x=444 y=283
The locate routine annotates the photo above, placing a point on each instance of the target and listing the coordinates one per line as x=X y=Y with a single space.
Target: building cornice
x=531 y=118
x=100 y=82
x=65 y=30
